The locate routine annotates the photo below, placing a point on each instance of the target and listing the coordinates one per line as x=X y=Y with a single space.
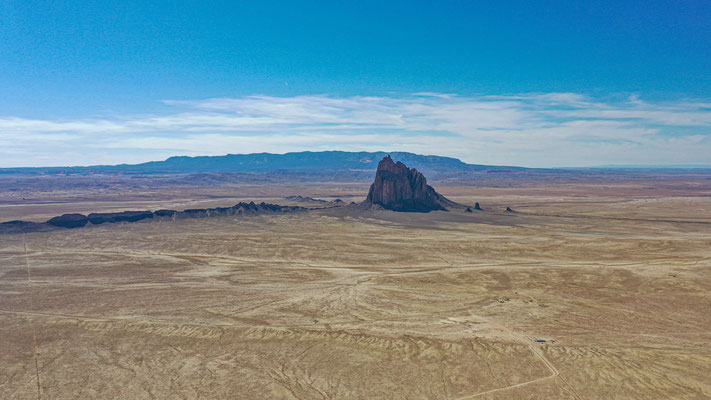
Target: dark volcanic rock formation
x=240 y=208
x=125 y=216
x=196 y=212
x=302 y=199
x=164 y=213
x=399 y=188
x=477 y=207
x=78 y=220
x=24 y=227
x=69 y=221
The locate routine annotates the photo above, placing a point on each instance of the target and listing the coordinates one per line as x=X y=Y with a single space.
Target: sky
x=538 y=84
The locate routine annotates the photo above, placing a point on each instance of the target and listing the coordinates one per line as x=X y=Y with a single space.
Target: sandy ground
x=345 y=304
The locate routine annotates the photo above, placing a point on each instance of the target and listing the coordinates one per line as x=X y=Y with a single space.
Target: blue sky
x=550 y=83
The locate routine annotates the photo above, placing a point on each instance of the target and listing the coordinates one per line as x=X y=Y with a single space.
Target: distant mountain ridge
x=659 y=166
x=267 y=162
x=306 y=160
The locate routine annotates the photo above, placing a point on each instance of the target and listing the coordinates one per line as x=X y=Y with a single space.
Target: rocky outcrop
x=195 y=213
x=399 y=188
x=240 y=208
x=164 y=213
x=69 y=221
x=124 y=216
x=11 y=227
x=302 y=199
x=477 y=207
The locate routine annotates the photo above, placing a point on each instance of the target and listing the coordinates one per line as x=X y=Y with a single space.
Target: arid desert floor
x=341 y=303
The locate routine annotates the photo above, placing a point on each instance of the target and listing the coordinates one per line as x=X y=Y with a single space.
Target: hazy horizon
x=611 y=166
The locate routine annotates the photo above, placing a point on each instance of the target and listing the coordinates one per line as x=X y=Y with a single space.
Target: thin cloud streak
x=545 y=129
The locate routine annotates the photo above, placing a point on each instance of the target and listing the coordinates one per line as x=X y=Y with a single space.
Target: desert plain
x=589 y=290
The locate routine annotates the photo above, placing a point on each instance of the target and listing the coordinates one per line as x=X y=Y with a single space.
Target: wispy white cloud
x=545 y=129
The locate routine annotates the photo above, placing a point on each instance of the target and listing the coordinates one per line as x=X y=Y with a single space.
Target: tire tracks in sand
x=34 y=329
x=554 y=373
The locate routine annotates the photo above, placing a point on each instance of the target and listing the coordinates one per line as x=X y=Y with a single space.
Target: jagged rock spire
x=399 y=188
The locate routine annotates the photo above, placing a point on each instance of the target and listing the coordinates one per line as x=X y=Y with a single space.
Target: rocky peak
x=399 y=188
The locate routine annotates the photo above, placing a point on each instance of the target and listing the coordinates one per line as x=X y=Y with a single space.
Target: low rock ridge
x=399 y=188
x=305 y=199
x=71 y=221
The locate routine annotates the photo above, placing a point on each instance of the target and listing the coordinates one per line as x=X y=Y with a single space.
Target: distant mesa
x=399 y=188
x=258 y=167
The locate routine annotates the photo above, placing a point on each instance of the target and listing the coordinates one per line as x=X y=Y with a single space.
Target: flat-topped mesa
x=399 y=188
